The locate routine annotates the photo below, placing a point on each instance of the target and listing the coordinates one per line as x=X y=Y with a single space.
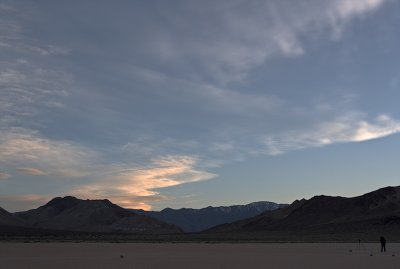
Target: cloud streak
x=28 y=84
x=129 y=185
x=30 y=153
x=137 y=187
x=348 y=8
x=349 y=128
x=4 y=175
x=31 y=171
x=245 y=35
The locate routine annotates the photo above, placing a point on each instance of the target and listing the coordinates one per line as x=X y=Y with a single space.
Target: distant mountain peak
x=62 y=203
x=195 y=220
x=72 y=214
x=70 y=201
x=64 y=199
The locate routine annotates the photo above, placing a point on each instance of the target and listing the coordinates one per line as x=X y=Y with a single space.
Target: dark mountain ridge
x=73 y=214
x=379 y=209
x=195 y=220
x=8 y=219
x=320 y=218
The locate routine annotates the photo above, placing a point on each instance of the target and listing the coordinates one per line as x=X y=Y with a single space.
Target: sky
x=182 y=103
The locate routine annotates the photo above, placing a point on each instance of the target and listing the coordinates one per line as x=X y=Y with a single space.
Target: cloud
x=25 y=150
x=31 y=171
x=348 y=8
x=218 y=98
x=349 y=128
x=129 y=185
x=344 y=10
x=137 y=187
x=4 y=175
x=228 y=39
x=190 y=59
x=28 y=85
x=13 y=39
x=27 y=91
x=383 y=126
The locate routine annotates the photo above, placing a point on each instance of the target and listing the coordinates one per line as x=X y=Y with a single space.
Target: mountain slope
x=72 y=214
x=379 y=209
x=195 y=220
x=8 y=219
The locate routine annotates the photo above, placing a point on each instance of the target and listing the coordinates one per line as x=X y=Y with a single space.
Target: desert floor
x=200 y=255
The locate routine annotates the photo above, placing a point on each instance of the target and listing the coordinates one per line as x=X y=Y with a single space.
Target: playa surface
x=200 y=255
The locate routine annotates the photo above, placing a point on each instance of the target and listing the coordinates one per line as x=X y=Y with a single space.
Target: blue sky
x=156 y=104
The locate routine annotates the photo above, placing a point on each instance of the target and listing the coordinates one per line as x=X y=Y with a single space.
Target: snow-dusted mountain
x=195 y=220
x=372 y=214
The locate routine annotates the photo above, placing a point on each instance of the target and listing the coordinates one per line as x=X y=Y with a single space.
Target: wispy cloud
x=349 y=128
x=245 y=35
x=348 y=8
x=218 y=98
x=28 y=152
x=198 y=61
x=28 y=85
x=342 y=11
x=136 y=187
x=13 y=39
x=27 y=91
x=4 y=175
x=31 y=171
x=129 y=185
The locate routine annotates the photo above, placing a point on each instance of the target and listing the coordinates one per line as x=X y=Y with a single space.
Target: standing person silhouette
x=383 y=244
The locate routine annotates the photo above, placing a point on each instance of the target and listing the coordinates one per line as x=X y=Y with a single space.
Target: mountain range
x=98 y=216
x=377 y=212
x=368 y=215
x=196 y=220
